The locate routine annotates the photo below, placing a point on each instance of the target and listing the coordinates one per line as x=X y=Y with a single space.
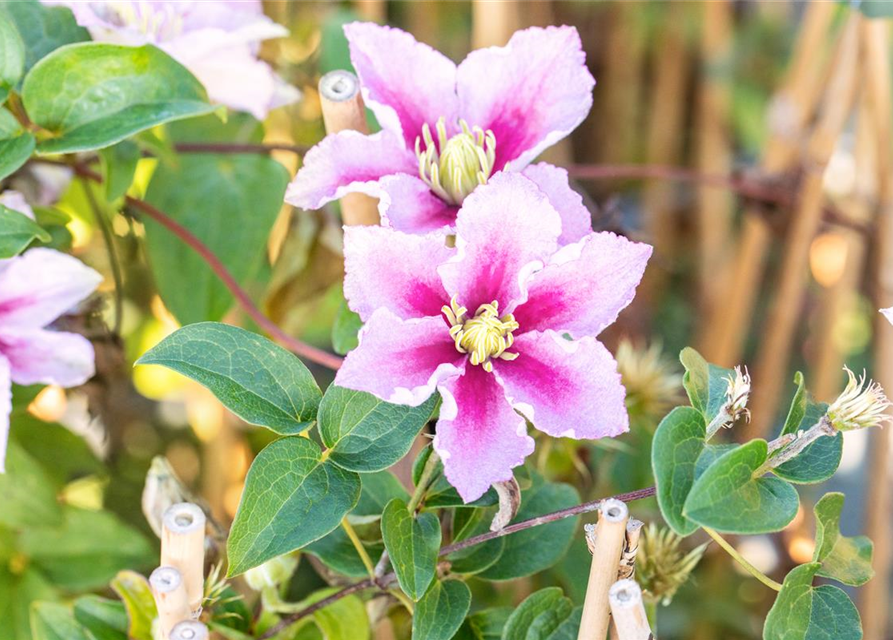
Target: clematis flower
x=217 y=40
x=448 y=129
x=485 y=324
x=35 y=289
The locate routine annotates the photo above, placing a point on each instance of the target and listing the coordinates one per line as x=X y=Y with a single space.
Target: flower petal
x=405 y=83
x=566 y=388
x=479 y=437
x=401 y=361
x=505 y=230
x=530 y=93
x=888 y=314
x=42 y=284
x=16 y=201
x=38 y=356
x=408 y=204
x=5 y=409
x=397 y=271
x=346 y=162
x=584 y=286
x=576 y=221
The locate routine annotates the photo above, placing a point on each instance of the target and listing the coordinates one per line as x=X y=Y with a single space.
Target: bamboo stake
x=715 y=206
x=493 y=23
x=190 y=630
x=627 y=567
x=875 y=597
x=607 y=548
x=170 y=598
x=183 y=547
x=343 y=109
x=628 y=611
x=772 y=363
x=372 y=10
x=792 y=107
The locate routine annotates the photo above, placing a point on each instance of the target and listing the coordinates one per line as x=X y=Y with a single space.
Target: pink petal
x=576 y=221
x=40 y=285
x=407 y=204
x=479 y=437
x=16 y=201
x=584 y=286
x=38 y=356
x=346 y=162
x=530 y=93
x=505 y=230
x=401 y=361
x=405 y=83
x=5 y=409
x=566 y=388
x=393 y=270
x=888 y=314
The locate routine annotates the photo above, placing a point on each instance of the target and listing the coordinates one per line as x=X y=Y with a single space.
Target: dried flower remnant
x=653 y=385
x=735 y=406
x=662 y=566
x=271 y=573
x=862 y=405
x=485 y=324
x=447 y=128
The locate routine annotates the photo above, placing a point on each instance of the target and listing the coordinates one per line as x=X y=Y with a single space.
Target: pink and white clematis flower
x=484 y=324
x=217 y=40
x=448 y=128
x=35 y=289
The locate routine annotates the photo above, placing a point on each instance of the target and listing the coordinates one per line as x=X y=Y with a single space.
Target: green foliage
x=704 y=383
x=104 y=619
x=17 y=231
x=92 y=95
x=366 y=434
x=135 y=592
x=804 y=612
x=53 y=621
x=12 y=58
x=544 y=615
x=875 y=8
x=16 y=144
x=17 y=592
x=118 y=168
x=29 y=494
x=212 y=195
x=42 y=29
x=845 y=559
x=731 y=498
x=345 y=619
x=678 y=442
x=485 y=625
x=345 y=329
x=439 y=614
x=292 y=497
x=413 y=544
x=256 y=379
x=466 y=524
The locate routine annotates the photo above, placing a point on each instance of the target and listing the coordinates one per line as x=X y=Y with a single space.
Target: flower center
x=455 y=166
x=485 y=336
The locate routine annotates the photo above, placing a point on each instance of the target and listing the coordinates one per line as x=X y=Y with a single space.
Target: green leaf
x=874 y=8
x=118 y=168
x=63 y=455
x=804 y=612
x=468 y=523
x=291 y=498
x=439 y=614
x=17 y=593
x=818 y=461
x=104 y=619
x=16 y=144
x=845 y=559
x=544 y=615
x=17 y=231
x=54 y=621
x=345 y=329
x=378 y=490
x=92 y=95
x=413 y=543
x=87 y=550
x=336 y=551
x=366 y=434
x=727 y=497
x=43 y=29
x=704 y=383
x=135 y=592
x=486 y=624
x=255 y=378
x=12 y=57
x=29 y=495
x=537 y=548
x=213 y=195
x=345 y=619
x=678 y=442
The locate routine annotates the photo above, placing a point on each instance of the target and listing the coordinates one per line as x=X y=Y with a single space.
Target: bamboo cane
x=372 y=10
x=493 y=23
x=171 y=601
x=343 y=109
x=772 y=362
x=792 y=107
x=183 y=547
x=607 y=548
x=190 y=630
x=628 y=611
x=875 y=597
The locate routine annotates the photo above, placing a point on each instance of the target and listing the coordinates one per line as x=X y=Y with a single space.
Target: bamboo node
x=189 y=630
x=339 y=85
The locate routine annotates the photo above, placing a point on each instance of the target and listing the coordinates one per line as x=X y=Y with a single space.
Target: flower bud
x=271 y=573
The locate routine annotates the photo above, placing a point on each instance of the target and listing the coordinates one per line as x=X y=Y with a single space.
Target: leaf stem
x=752 y=570
x=358 y=545
x=404 y=600
x=791 y=448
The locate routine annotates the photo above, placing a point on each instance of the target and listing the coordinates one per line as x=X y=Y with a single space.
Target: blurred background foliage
x=684 y=84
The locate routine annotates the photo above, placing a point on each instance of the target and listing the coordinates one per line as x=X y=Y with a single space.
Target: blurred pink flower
x=35 y=289
x=448 y=128
x=217 y=40
x=485 y=323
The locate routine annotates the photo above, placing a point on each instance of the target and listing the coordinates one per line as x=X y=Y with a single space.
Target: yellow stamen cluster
x=485 y=335
x=453 y=167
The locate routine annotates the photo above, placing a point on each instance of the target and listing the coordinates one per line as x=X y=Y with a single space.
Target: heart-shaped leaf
x=42 y=29
x=544 y=615
x=705 y=383
x=439 y=614
x=413 y=543
x=291 y=498
x=847 y=560
x=17 y=231
x=677 y=444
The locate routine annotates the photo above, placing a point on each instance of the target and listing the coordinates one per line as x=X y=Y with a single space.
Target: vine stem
x=109 y=239
x=752 y=570
x=298 y=347
x=238 y=147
